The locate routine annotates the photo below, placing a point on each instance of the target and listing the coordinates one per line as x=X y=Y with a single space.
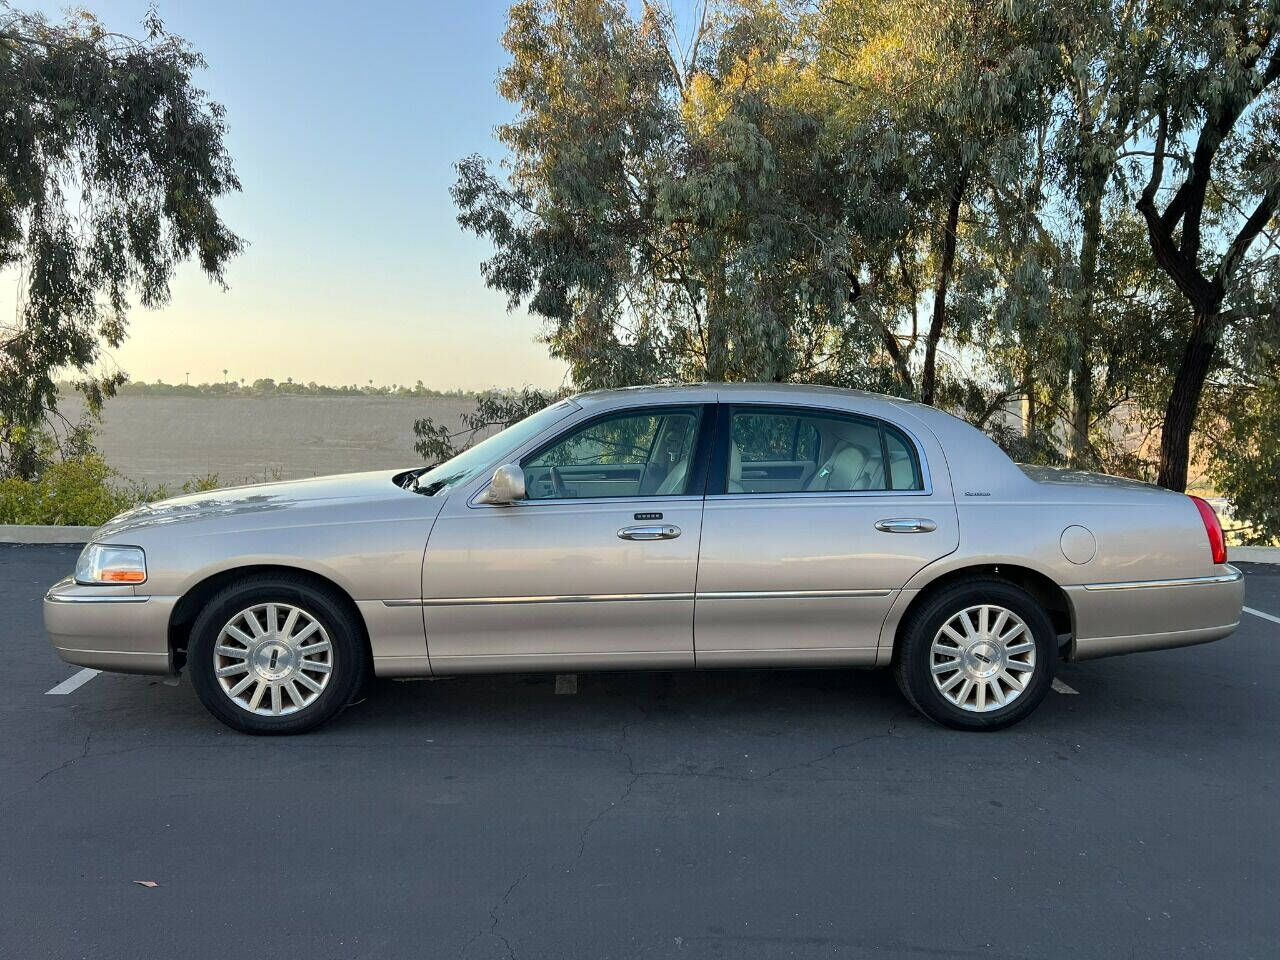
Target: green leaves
x=930 y=197
x=111 y=166
x=1249 y=477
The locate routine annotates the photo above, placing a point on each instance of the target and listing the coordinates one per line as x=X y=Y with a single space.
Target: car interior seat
x=842 y=469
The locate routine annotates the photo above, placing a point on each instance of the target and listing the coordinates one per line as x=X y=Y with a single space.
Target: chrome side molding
x=791 y=594
x=640 y=597
x=1231 y=577
x=79 y=598
x=566 y=598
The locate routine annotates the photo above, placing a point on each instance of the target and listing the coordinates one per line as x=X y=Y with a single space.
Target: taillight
x=1213 y=529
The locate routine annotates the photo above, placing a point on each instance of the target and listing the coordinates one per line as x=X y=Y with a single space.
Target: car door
x=814 y=521
x=595 y=569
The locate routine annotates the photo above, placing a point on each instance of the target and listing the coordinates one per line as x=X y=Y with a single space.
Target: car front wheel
x=275 y=655
x=980 y=655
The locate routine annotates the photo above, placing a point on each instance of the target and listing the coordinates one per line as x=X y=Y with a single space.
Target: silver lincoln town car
x=657 y=528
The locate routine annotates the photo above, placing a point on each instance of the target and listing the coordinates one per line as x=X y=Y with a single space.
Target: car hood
x=260 y=498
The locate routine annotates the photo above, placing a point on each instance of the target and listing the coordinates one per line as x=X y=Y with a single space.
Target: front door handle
x=650 y=531
x=906 y=525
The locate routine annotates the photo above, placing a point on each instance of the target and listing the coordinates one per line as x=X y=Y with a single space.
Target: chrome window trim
x=926 y=476
x=538 y=444
x=1231 y=577
x=683 y=498
x=883 y=494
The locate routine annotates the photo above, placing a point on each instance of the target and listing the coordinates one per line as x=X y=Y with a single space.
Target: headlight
x=106 y=564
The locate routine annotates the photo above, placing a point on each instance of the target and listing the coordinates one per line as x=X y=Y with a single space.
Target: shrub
x=74 y=491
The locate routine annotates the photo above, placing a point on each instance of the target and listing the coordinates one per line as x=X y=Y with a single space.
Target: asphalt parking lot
x=718 y=814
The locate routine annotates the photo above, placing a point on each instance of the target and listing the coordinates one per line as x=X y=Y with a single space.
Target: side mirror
x=507 y=485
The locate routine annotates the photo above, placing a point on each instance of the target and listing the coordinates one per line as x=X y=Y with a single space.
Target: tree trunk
x=928 y=379
x=1184 y=401
x=717 y=333
x=1082 y=360
x=900 y=367
x=1029 y=411
x=1081 y=401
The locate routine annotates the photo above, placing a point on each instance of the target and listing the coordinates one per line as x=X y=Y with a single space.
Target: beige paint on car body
x=451 y=584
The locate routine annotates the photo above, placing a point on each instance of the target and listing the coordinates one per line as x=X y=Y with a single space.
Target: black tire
x=913 y=665
x=349 y=651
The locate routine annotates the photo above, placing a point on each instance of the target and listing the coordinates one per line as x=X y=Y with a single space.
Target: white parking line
x=1265 y=616
x=1062 y=687
x=73 y=682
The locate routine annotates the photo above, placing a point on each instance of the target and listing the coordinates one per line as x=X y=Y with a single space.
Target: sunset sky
x=345 y=121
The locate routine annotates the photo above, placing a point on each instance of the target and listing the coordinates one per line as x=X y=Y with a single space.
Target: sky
x=344 y=123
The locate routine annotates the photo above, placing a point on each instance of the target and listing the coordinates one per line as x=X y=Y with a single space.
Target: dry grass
x=171 y=439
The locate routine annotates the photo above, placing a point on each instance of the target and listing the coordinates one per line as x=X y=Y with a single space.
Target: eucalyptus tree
x=961 y=87
x=665 y=208
x=1244 y=448
x=1212 y=187
x=574 y=216
x=1102 y=46
x=111 y=164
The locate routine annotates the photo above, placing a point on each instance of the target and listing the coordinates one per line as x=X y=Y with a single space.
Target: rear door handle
x=650 y=531
x=906 y=525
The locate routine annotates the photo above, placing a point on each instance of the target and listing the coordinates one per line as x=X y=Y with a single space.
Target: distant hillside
x=285 y=388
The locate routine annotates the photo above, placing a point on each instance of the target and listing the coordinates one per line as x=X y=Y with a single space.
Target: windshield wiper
x=409 y=480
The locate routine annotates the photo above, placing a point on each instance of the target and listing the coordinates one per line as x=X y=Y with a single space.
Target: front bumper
x=109 y=628
x=1112 y=618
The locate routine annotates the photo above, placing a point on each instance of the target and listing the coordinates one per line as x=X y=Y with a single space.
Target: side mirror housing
x=507 y=485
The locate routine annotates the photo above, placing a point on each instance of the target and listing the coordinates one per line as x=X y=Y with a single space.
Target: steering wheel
x=557 y=484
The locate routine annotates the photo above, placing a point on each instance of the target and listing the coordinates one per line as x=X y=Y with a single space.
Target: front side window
x=635 y=454
x=789 y=451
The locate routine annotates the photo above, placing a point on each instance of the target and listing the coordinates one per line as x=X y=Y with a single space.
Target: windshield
x=468 y=464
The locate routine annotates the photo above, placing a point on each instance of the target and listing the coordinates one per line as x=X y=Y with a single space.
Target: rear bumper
x=1113 y=618
x=109 y=628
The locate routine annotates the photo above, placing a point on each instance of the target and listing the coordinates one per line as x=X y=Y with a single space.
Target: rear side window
x=782 y=450
x=904 y=469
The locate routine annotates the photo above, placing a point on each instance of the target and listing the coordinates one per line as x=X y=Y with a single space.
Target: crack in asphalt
x=495 y=919
x=804 y=764
x=637 y=775
x=84 y=752
x=620 y=749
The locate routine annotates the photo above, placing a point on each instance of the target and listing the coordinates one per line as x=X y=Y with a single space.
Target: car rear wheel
x=275 y=655
x=980 y=655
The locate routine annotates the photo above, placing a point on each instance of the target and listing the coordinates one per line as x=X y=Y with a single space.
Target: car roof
x=796 y=394
x=729 y=392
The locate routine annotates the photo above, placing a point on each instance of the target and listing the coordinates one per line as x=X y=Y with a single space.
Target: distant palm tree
x=224 y=374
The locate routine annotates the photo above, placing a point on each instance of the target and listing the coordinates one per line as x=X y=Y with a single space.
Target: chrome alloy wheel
x=273 y=659
x=983 y=658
